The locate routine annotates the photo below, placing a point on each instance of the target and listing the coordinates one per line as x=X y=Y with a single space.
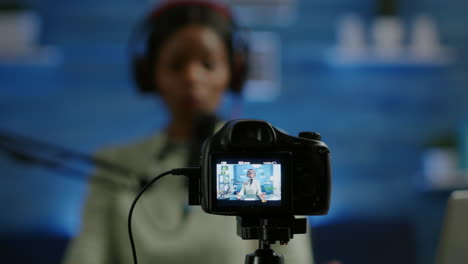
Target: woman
x=251 y=187
x=191 y=63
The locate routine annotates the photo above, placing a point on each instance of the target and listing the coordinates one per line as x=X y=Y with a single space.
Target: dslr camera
x=250 y=168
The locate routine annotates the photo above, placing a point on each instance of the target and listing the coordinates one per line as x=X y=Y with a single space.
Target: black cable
x=190 y=172
x=130 y=213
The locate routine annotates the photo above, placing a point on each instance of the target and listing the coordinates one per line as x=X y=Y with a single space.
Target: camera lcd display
x=249 y=182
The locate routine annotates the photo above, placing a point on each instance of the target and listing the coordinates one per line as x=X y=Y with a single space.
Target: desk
x=248 y=197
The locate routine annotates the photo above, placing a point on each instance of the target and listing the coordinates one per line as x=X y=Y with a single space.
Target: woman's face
x=251 y=174
x=192 y=71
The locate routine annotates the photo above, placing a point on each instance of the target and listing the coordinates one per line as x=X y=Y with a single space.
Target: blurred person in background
x=191 y=61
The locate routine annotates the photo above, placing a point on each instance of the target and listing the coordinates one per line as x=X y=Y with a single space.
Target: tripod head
x=269 y=230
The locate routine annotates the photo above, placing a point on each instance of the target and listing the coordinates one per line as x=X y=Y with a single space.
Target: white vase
x=387 y=35
x=19 y=33
x=424 y=38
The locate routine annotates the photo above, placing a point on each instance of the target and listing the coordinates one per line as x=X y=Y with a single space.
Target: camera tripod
x=269 y=230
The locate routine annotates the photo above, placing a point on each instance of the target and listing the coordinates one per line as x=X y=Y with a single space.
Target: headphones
x=141 y=54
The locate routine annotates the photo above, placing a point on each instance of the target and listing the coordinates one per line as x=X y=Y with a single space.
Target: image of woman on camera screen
x=251 y=187
x=190 y=61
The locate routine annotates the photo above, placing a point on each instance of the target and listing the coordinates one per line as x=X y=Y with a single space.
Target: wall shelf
x=456 y=180
x=342 y=58
x=47 y=56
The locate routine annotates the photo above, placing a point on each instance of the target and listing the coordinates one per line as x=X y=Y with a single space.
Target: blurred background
x=384 y=82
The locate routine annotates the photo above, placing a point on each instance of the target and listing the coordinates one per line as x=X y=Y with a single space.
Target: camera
x=251 y=168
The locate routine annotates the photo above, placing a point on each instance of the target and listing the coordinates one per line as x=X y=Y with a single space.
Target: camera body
x=251 y=168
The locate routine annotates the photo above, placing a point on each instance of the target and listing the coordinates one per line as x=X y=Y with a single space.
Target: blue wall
x=376 y=121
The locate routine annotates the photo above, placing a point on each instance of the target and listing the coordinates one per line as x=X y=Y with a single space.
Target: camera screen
x=248 y=182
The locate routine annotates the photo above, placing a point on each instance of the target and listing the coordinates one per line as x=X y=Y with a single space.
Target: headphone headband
x=215 y=6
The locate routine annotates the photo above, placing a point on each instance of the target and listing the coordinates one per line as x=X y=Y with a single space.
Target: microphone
x=203 y=127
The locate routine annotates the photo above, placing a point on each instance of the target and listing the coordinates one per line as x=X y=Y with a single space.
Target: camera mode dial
x=310 y=135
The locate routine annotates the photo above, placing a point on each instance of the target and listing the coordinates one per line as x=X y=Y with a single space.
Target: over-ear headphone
x=142 y=54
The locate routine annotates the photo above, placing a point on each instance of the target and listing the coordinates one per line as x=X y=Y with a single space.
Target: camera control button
x=310 y=135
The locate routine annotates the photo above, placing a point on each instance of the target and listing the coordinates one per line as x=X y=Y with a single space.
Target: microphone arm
x=35 y=152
